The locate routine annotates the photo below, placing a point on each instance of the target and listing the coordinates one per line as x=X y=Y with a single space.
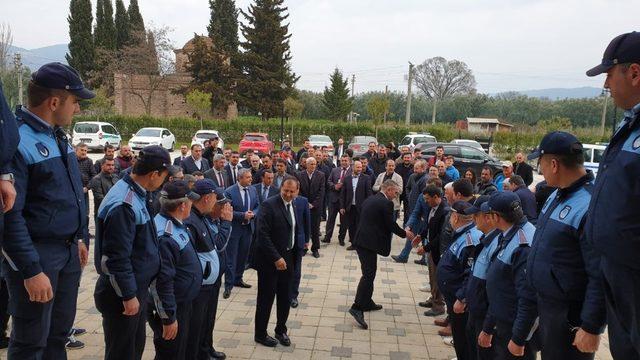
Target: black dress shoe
x=374 y=307
x=266 y=341
x=326 y=241
x=283 y=339
x=341 y=242
x=359 y=316
x=219 y=355
x=426 y=304
x=316 y=254
x=434 y=312
x=243 y=285
x=294 y=303
x=350 y=247
x=226 y=293
x=420 y=262
x=398 y=259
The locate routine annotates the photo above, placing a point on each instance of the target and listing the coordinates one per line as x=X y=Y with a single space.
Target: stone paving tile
x=339 y=351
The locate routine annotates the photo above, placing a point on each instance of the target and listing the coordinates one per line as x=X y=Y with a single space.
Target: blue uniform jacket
x=50 y=202
x=454 y=268
x=612 y=225
x=511 y=298
x=126 y=250
x=303 y=214
x=9 y=136
x=562 y=264
x=210 y=241
x=476 y=289
x=180 y=276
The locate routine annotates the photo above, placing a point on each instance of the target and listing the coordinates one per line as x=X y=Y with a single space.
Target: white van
x=592 y=155
x=412 y=139
x=95 y=134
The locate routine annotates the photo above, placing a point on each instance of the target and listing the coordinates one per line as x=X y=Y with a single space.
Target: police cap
x=477 y=205
x=178 y=189
x=622 y=49
x=204 y=187
x=156 y=156
x=557 y=143
x=59 y=76
x=504 y=202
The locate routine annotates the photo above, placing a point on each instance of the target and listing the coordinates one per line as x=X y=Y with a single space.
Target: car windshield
x=148 y=132
x=86 y=128
x=254 y=137
x=424 y=139
x=405 y=141
x=319 y=138
x=364 y=139
x=207 y=136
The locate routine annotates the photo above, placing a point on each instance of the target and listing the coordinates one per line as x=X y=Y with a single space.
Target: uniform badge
x=636 y=143
x=565 y=211
x=42 y=149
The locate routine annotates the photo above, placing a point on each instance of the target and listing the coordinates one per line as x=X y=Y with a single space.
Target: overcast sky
x=509 y=45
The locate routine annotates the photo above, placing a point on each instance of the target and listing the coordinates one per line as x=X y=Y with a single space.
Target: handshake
x=415 y=239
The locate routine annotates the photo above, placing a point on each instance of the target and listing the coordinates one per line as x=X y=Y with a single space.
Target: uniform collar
x=633 y=112
x=134 y=185
x=464 y=228
x=33 y=120
x=578 y=184
x=175 y=221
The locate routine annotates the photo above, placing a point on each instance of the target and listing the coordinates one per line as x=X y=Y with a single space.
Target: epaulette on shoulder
x=523 y=237
x=469 y=240
x=128 y=198
x=168 y=228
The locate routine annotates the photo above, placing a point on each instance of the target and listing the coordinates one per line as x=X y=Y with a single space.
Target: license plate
x=86 y=141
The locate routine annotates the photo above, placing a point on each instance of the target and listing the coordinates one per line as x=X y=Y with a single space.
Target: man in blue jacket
x=612 y=225
x=563 y=267
x=126 y=254
x=9 y=139
x=41 y=253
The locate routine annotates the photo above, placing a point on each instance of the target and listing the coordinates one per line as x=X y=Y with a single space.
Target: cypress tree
x=266 y=64
x=123 y=33
x=337 y=101
x=81 y=50
x=98 y=29
x=109 y=26
x=136 y=24
x=223 y=26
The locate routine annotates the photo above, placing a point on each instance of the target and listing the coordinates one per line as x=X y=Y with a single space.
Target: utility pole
x=407 y=119
x=386 y=96
x=353 y=84
x=17 y=61
x=605 y=95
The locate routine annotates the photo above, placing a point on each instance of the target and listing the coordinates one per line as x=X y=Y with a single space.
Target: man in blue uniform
x=9 y=139
x=210 y=227
x=512 y=302
x=563 y=267
x=180 y=277
x=453 y=272
x=126 y=254
x=612 y=225
x=475 y=296
x=41 y=256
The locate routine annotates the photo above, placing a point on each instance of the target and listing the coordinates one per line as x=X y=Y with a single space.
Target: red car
x=258 y=142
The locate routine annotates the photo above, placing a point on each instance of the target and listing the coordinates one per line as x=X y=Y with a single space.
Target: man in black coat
x=374 y=237
x=195 y=162
x=523 y=169
x=355 y=190
x=312 y=186
x=335 y=182
x=275 y=258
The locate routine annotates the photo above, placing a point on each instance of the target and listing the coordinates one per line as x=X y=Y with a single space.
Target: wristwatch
x=7 y=177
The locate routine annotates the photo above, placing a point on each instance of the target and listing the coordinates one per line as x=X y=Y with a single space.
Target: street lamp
x=284 y=87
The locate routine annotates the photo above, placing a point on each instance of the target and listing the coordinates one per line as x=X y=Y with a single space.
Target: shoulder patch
x=42 y=149
x=636 y=143
x=469 y=240
x=523 y=237
x=168 y=228
x=128 y=198
x=564 y=212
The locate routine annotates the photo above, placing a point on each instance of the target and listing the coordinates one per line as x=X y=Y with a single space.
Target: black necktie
x=234 y=174
x=292 y=228
x=246 y=200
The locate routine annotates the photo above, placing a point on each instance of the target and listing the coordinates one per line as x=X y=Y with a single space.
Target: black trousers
x=556 y=333
x=203 y=321
x=458 y=324
x=4 y=303
x=622 y=295
x=501 y=339
x=175 y=349
x=297 y=274
x=334 y=211
x=274 y=284
x=124 y=336
x=352 y=218
x=474 y=327
x=315 y=228
x=369 y=267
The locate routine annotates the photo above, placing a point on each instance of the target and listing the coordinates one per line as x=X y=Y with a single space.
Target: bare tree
x=440 y=79
x=6 y=41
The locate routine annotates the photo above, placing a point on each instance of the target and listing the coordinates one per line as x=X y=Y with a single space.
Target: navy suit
x=189 y=165
x=232 y=178
x=241 y=231
x=303 y=233
x=178 y=161
x=334 y=203
x=211 y=174
x=272 y=191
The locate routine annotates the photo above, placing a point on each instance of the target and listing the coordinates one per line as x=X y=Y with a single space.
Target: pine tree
x=81 y=50
x=98 y=29
x=337 y=101
x=223 y=26
x=266 y=64
x=136 y=24
x=123 y=31
x=109 y=41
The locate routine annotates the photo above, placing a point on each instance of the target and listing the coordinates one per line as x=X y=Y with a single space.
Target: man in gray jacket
x=101 y=183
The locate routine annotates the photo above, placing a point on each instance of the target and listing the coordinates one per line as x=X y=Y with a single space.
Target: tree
x=377 y=107
x=109 y=40
x=101 y=104
x=293 y=108
x=200 y=103
x=137 y=32
x=123 y=31
x=81 y=50
x=337 y=101
x=6 y=41
x=554 y=124
x=440 y=79
x=223 y=26
x=268 y=79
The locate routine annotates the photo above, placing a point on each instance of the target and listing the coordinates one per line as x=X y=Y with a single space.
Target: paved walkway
x=320 y=328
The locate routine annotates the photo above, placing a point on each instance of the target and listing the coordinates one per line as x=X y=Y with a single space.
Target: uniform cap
x=59 y=76
x=622 y=49
x=477 y=205
x=557 y=143
x=155 y=155
x=204 y=187
x=178 y=189
x=504 y=202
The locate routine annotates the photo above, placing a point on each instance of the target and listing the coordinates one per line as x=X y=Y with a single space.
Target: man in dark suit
x=312 y=186
x=275 y=258
x=184 y=153
x=218 y=174
x=195 y=162
x=340 y=149
x=335 y=182
x=266 y=188
x=374 y=237
x=301 y=205
x=356 y=188
x=523 y=169
x=281 y=172
x=244 y=201
x=233 y=167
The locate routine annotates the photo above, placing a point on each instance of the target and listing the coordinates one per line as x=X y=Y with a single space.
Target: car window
x=86 y=128
x=148 y=132
x=587 y=155
x=109 y=129
x=452 y=150
x=206 y=135
x=319 y=138
x=472 y=153
x=424 y=139
x=597 y=155
x=165 y=133
x=406 y=141
x=250 y=137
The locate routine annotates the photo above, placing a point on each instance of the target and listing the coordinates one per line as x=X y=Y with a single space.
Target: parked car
x=360 y=144
x=322 y=140
x=465 y=157
x=258 y=142
x=468 y=142
x=413 y=139
x=153 y=136
x=592 y=156
x=95 y=134
x=201 y=135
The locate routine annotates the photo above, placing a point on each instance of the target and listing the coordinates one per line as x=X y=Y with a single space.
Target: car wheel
x=173 y=144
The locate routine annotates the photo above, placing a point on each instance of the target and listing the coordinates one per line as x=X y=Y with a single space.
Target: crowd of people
x=515 y=271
